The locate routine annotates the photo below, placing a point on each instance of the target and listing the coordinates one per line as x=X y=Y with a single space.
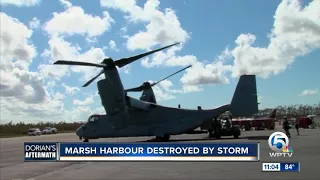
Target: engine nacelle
x=112 y=97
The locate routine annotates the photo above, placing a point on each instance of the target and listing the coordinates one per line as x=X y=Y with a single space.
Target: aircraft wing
x=135 y=103
x=147 y=106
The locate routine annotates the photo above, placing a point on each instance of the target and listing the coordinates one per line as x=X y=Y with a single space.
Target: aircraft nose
x=80 y=132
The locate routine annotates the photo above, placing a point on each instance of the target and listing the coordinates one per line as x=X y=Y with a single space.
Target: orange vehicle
x=305 y=122
x=266 y=122
x=243 y=123
x=262 y=124
x=259 y=123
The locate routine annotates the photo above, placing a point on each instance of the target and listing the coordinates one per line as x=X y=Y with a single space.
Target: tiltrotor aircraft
x=129 y=117
x=146 y=88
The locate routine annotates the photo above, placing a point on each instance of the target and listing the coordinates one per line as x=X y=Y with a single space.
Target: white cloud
x=169 y=59
x=34 y=23
x=23 y=93
x=66 y=3
x=70 y=90
x=27 y=97
x=167 y=86
x=201 y=73
x=20 y=3
x=113 y=45
x=87 y=101
x=24 y=96
x=161 y=95
x=16 y=55
x=126 y=69
x=51 y=84
x=164 y=90
x=70 y=22
x=61 y=49
x=296 y=32
x=75 y=21
x=308 y=92
x=162 y=27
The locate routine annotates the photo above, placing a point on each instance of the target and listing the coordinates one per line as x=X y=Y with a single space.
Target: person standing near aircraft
x=215 y=126
x=286 y=126
x=297 y=124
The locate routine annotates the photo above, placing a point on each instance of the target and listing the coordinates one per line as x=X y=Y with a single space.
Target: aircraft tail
x=245 y=100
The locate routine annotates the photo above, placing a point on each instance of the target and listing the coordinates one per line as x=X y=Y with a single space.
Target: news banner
x=141 y=152
x=36 y=151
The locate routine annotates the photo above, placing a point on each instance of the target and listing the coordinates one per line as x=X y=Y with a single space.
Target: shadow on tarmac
x=210 y=139
x=258 y=138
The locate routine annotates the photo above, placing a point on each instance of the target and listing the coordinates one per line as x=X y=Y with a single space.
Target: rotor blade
x=94 y=78
x=136 y=89
x=63 y=62
x=124 y=61
x=171 y=75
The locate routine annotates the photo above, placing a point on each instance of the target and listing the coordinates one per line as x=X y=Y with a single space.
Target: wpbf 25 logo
x=279 y=144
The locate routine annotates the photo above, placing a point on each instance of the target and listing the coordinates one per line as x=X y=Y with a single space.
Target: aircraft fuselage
x=158 y=121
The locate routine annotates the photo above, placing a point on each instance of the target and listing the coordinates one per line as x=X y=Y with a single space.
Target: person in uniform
x=286 y=126
x=297 y=124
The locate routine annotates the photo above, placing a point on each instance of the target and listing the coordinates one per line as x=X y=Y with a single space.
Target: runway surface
x=305 y=149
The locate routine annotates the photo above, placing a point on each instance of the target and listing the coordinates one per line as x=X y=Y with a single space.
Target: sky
x=278 y=41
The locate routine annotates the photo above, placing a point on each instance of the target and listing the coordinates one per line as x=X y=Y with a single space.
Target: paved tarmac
x=305 y=150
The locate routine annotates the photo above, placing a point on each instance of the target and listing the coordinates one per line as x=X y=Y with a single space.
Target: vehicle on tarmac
x=227 y=130
x=34 y=132
x=46 y=130
x=54 y=130
x=258 y=123
x=49 y=130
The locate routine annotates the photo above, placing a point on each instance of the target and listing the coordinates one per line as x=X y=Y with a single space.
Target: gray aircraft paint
x=127 y=116
x=148 y=96
x=148 y=119
x=245 y=101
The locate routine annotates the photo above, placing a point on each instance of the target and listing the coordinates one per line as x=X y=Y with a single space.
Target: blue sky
x=276 y=40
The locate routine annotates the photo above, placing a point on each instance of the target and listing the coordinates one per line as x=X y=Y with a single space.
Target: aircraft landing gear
x=86 y=140
x=210 y=133
x=163 y=138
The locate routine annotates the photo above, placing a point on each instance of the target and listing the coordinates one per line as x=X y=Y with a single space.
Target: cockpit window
x=93 y=118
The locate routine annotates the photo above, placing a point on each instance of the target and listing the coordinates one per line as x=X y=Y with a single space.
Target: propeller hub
x=108 y=61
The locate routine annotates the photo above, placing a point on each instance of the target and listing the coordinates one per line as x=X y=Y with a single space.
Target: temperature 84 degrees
x=290 y=167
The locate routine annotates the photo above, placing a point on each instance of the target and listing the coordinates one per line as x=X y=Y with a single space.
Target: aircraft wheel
x=218 y=135
x=236 y=136
x=86 y=140
x=166 y=137
x=163 y=138
x=210 y=133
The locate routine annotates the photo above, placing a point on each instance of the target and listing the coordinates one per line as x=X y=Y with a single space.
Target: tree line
x=292 y=110
x=16 y=129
